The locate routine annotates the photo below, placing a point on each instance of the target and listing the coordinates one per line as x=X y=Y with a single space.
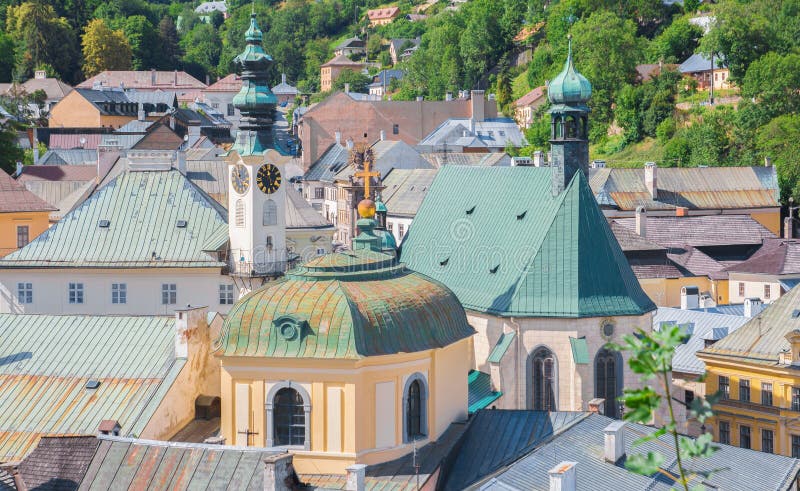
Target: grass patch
x=648 y=150
x=702 y=95
x=519 y=85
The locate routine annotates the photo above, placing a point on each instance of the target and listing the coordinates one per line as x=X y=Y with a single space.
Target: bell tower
x=569 y=92
x=256 y=187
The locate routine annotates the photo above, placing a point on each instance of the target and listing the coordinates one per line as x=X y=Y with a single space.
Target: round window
x=289 y=331
x=608 y=329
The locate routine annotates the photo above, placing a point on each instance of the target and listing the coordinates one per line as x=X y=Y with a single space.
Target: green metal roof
x=501 y=347
x=569 y=87
x=345 y=305
x=501 y=241
x=143 y=210
x=580 y=350
x=481 y=394
x=48 y=359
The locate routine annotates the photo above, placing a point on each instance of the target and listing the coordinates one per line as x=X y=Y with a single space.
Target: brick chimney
x=596 y=405
x=614 y=448
x=355 y=477
x=477 y=105
x=641 y=221
x=279 y=473
x=563 y=477
x=650 y=179
x=191 y=330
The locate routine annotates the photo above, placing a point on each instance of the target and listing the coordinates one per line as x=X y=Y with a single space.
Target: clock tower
x=256 y=185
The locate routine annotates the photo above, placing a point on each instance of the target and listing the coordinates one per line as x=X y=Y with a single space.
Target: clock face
x=268 y=178
x=240 y=178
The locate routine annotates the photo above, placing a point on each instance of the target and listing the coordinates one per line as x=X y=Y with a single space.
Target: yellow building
x=87 y=108
x=23 y=215
x=330 y=71
x=350 y=359
x=757 y=369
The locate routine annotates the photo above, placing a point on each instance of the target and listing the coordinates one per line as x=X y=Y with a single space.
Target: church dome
x=569 y=86
x=347 y=305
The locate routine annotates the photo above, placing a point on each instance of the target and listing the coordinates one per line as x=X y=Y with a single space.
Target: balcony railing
x=245 y=268
x=752 y=406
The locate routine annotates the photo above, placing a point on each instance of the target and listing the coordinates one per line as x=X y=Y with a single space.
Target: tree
x=202 y=48
x=651 y=358
x=780 y=140
x=773 y=81
x=42 y=37
x=676 y=43
x=6 y=57
x=10 y=153
x=144 y=42
x=168 y=39
x=357 y=81
x=104 y=49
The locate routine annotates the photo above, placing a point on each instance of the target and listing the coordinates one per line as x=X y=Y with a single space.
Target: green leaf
x=640 y=404
x=644 y=464
x=698 y=447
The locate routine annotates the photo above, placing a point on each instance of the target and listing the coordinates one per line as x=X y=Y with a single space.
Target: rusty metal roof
x=348 y=306
x=696 y=188
x=47 y=361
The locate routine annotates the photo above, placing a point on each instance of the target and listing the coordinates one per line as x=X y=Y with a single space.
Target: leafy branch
x=651 y=358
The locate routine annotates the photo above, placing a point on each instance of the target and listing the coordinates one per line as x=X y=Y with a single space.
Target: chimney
x=349 y=144
x=152 y=76
x=191 y=329
x=19 y=169
x=690 y=297
x=752 y=307
x=448 y=96
x=538 y=158
x=347 y=88
x=681 y=211
x=283 y=78
x=182 y=162
x=563 y=477
x=650 y=179
x=787 y=228
x=36 y=152
x=767 y=162
x=383 y=135
x=355 y=477
x=175 y=80
x=614 y=448
x=793 y=357
x=109 y=427
x=641 y=221
x=141 y=115
x=477 y=105
x=279 y=472
x=40 y=74
x=420 y=98
x=338 y=137
x=596 y=405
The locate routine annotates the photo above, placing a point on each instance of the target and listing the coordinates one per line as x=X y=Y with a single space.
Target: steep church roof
x=518 y=250
x=344 y=306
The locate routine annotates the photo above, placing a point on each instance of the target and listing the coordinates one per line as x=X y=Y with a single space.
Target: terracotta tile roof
x=58 y=462
x=342 y=60
x=531 y=97
x=384 y=13
x=54 y=88
x=15 y=198
x=776 y=256
x=703 y=230
x=527 y=31
x=143 y=79
x=230 y=83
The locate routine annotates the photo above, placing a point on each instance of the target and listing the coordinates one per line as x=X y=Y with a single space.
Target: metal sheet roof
x=481 y=394
x=332 y=161
x=49 y=359
x=405 y=189
x=71 y=156
x=518 y=250
x=729 y=468
x=87 y=141
x=703 y=325
x=14 y=197
x=701 y=230
x=494 y=133
x=120 y=463
x=143 y=209
x=580 y=350
x=501 y=347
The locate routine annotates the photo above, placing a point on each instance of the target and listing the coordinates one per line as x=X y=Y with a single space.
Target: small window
x=725 y=432
x=401 y=232
x=25 y=293
x=269 y=243
x=231 y=110
x=415 y=408
x=320 y=251
x=796 y=446
x=104 y=223
x=766 y=394
x=319 y=193
x=226 y=294
x=395 y=129
x=741 y=289
x=240 y=213
x=119 y=293
x=181 y=223
x=744 y=390
x=724 y=387
x=744 y=437
x=795 y=399
x=169 y=294
x=76 y=293
x=688 y=396
x=289 y=419
x=22 y=236
x=767 y=292
x=767 y=441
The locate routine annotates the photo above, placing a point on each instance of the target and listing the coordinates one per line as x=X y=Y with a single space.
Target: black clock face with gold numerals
x=268 y=178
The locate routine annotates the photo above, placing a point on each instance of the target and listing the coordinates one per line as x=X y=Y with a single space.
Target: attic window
x=469 y=212
x=104 y=223
x=92 y=384
x=522 y=215
x=795 y=314
x=494 y=270
x=182 y=223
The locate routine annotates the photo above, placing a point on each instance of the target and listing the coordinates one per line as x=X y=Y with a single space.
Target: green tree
x=780 y=141
x=202 y=50
x=104 y=49
x=676 y=43
x=358 y=82
x=144 y=42
x=773 y=80
x=10 y=153
x=651 y=358
x=6 y=57
x=169 y=47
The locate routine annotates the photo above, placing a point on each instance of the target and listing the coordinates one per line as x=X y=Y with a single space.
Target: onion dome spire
x=569 y=87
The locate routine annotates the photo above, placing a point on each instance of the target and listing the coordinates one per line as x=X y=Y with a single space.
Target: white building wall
x=220 y=101
x=195 y=286
x=754 y=287
x=394 y=224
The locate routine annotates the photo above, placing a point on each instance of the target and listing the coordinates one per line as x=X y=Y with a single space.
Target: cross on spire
x=366 y=173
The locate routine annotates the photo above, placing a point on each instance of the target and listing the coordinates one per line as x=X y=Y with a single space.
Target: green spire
x=253 y=35
x=569 y=87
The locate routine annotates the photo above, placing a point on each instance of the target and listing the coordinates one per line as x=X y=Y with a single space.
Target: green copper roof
x=253 y=34
x=345 y=305
x=580 y=350
x=501 y=347
x=253 y=96
x=131 y=222
x=46 y=361
x=569 y=87
x=481 y=394
x=504 y=245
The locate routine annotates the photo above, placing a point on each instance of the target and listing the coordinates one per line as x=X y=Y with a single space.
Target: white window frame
x=119 y=293
x=169 y=294
x=76 y=293
x=226 y=294
x=25 y=293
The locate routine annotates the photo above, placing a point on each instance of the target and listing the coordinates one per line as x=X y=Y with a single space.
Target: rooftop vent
x=104 y=223
x=795 y=314
x=469 y=212
x=494 y=270
x=92 y=384
x=522 y=215
x=444 y=261
x=182 y=223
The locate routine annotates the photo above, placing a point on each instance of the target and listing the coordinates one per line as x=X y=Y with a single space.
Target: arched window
x=289 y=422
x=608 y=380
x=270 y=213
x=240 y=213
x=543 y=374
x=415 y=412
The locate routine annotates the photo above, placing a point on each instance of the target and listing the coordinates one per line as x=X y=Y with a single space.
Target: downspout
x=517 y=362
